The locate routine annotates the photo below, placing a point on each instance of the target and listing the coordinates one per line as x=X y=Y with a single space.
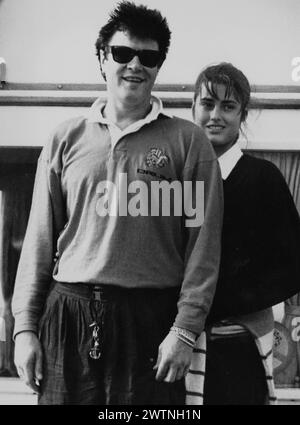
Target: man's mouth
x=131 y=79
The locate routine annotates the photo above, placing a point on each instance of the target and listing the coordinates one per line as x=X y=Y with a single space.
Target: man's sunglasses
x=124 y=54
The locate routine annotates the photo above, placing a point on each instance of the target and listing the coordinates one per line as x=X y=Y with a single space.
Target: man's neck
x=124 y=114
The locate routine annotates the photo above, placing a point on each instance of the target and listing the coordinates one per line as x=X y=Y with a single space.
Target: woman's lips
x=215 y=129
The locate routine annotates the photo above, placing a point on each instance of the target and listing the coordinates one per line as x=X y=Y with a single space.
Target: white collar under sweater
x=229 y=159
x=95 y=115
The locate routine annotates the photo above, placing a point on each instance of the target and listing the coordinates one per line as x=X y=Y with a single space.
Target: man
x=126 y=272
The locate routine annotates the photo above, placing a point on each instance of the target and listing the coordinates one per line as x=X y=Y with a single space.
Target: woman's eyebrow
x=207 y=98
x=228 y=101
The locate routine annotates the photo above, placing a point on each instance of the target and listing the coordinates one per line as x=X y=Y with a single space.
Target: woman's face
x=219 y=118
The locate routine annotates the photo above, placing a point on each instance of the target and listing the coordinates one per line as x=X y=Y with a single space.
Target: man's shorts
x=131 y=324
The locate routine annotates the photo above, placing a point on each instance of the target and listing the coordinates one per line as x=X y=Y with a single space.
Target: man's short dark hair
x=139 y=21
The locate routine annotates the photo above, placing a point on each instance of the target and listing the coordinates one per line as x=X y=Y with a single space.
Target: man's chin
x=135 y=95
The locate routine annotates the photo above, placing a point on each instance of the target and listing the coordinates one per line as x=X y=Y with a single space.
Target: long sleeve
x=202 y=250
x=36 y=261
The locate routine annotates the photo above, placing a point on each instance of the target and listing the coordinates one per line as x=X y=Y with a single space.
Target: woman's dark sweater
x=260 y=262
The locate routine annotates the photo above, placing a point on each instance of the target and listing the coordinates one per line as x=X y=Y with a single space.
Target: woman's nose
x=215 y=113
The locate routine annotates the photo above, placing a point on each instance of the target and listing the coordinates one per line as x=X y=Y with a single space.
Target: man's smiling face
x=130 y=82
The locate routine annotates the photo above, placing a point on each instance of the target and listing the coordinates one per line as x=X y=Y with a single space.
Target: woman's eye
x=228 y=107
x=207 y=105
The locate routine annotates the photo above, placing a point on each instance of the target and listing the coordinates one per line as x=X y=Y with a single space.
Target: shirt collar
x=229 y=159
x=95 y=112
x=96 y=115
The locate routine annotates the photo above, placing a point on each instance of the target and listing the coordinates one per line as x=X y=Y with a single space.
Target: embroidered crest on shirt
x=156 y=158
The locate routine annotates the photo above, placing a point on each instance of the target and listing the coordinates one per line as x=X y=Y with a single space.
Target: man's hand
x=28 y=359
x=174 y=359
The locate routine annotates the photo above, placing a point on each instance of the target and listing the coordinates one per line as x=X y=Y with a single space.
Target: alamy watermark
x=163 y=198
x=296 y=69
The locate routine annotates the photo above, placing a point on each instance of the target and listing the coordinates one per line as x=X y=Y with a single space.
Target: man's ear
x=102 y=60
x=102 y=56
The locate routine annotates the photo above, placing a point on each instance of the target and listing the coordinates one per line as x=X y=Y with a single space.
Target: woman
x=260 y=248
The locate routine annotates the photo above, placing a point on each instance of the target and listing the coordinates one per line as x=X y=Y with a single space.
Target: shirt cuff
x=191 y=318
x=25 y=322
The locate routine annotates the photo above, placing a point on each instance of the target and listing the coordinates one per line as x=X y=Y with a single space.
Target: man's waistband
x=107 y=292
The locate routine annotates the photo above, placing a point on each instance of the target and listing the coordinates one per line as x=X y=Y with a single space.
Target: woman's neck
x=220 y=150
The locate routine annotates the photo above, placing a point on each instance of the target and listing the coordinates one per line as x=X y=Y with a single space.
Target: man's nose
x=135 y=63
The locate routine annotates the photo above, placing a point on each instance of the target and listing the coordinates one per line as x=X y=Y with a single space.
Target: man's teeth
x=133 y=79
x=215 y=127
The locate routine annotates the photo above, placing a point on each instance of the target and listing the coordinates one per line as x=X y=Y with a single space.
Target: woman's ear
x=193 y=109
x=245 y=115
x=194 y=105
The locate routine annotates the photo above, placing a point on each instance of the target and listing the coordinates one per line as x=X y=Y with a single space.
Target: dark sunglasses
x=124 y=54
